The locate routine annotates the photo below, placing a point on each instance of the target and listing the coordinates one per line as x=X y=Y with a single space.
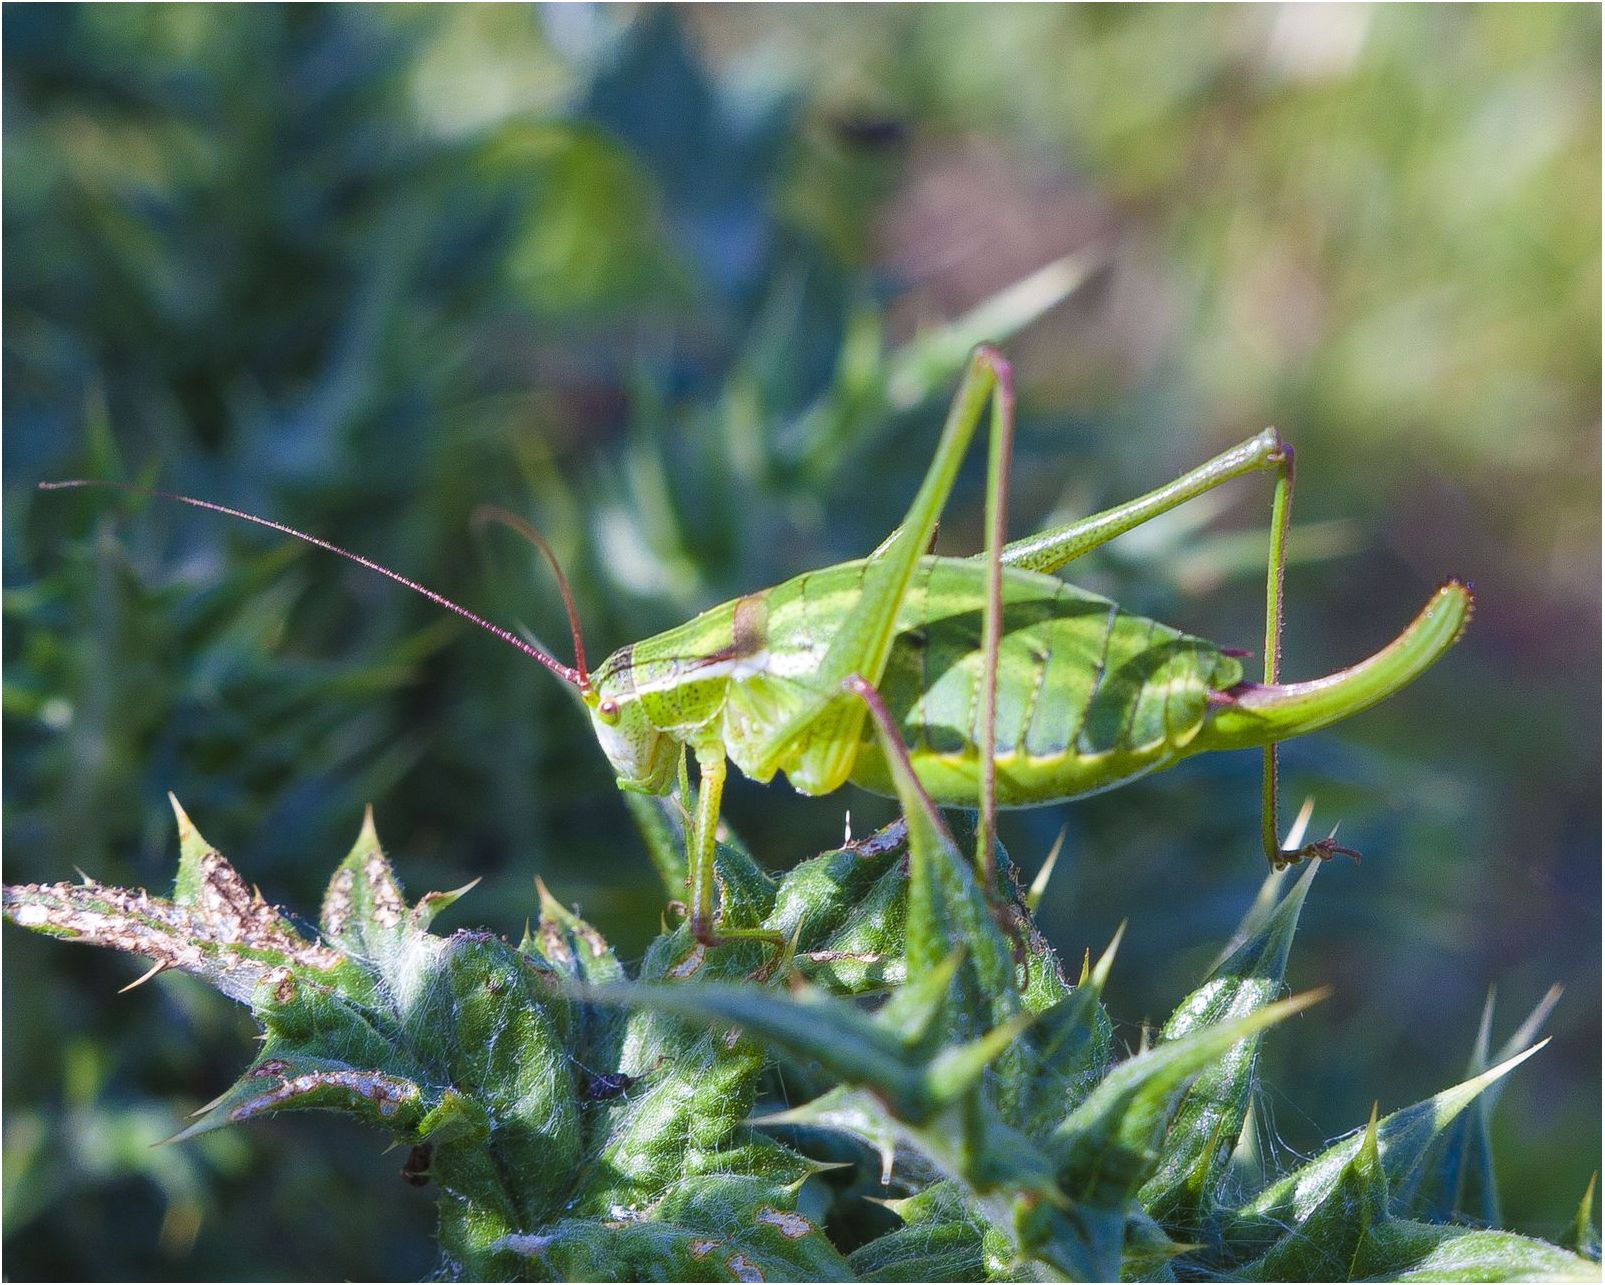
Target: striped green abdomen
x=1089 y=696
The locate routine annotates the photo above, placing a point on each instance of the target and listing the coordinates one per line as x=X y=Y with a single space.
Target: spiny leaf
x=682 y=1108
x=947 y=907
x=1210 y=1117
x=193 y=850
x=1456 y=1181
x=459 y=1043
x=1109 y=1145
x=276 y=1084
x=726 y=1228
x=364 y=909
x=217 y=928
x=1327 y=1241
x=1106 y=1145
x=1585 y=1238
x=1148 y=1250
x=569 y=1139
x=817 y=896
x=576 y=951
x=571 y=945
x=941 y=1239
x=1402 y=1141
x=845 y=910
x=1039 y=885
x=493 y=1029
x=1269 y=894
x=864 y=953
x=1523 y=1036
x=1067 y=1051
x=811 y=1026
x=1003 y=1178
x=912 y=1012
x=1246 y=1168
x=1456 y=1177
x=932 y=1251
x=236 y=962
x=954 y=1071
x=756 y=1217
x=746 y=890
x=850 y=1111
x=1401 y=1250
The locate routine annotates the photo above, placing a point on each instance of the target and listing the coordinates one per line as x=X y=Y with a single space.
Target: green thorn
x=551 y=907
x=432 y=903
x=1268 y=903
x=368 y=836
x=1482 y=1045
x=1039 y=885
x=1525 y=1033
x=193 y=849
x=1106 y=961
x=1585 y=1241
x=186 y=827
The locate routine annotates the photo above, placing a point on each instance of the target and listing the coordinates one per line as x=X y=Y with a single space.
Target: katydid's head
x=643 y=757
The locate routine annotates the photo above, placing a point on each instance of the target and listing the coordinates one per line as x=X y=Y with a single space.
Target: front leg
x=702 y=845
x=702 y=850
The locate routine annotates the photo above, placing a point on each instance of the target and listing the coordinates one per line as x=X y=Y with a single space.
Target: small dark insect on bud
x=615 y=1084
x=605 y=1086
x=415 y=1172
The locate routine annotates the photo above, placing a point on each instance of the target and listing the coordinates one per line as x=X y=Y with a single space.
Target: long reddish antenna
x=571 y=676
x=488 y=513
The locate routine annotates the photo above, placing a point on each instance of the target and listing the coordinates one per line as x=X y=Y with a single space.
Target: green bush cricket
x=1005 y=685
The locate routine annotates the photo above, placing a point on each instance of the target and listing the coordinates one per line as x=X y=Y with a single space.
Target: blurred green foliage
x=683 y=286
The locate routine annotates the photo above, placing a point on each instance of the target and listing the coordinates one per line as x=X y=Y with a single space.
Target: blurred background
x=690 y=287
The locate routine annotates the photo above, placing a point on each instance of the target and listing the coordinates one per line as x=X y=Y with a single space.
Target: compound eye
x=608 y=711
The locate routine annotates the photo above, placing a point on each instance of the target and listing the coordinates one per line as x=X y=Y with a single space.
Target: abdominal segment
x=1089 y=697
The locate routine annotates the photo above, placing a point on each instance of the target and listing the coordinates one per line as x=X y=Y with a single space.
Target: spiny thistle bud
x=918 y=1092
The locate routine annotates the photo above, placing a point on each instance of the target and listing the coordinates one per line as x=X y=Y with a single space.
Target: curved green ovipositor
x=1254 y=714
